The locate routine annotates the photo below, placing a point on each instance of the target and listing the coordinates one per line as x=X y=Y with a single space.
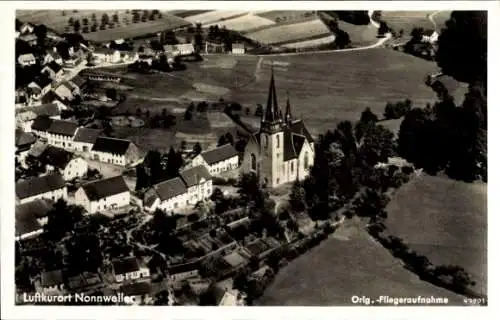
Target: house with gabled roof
x=128 y=269
x=53 y=70
x=85 y=138
x=26 y=116
x=30 y=218
x=40 y=86
x=61 y=133
x=51 y=187
x=30 y=39
x=102 y=195
x=40 y=126
x=115 y=151
x=106 y=55
x=51 y=282
x=183 y=49
x=27 y=59
x=198 y=182
x=219 y=160
x=64 y=162
x=26 y=28
x=52 y=56
x=24 y=141
x=65 y=91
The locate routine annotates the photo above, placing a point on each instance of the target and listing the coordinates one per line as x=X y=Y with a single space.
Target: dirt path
x=374 y=23
x=431 y=19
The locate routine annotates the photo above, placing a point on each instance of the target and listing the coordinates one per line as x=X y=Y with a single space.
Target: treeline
x=158 y=167
x=354 y=17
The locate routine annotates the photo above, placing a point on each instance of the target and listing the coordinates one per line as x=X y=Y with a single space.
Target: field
x=213 y=16
x=310 y=43
x=55 y=19
x=445 y=220
x=187 y=13
x=360 y=35
x=407 y=20
x=282 y=15
x=289 y=32
x=348 y=263
x=440 y=19
x=245 y=22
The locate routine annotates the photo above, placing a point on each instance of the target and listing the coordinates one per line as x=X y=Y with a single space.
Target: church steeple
x=272 y=113
x=288 y=112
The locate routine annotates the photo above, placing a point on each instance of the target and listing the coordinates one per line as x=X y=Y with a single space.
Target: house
x=129 y=56
x=51 y=282
x=225 y=297
x=218 y=160
x=85 y=138
x=40 y=86
x=27 y=59
x=40 y=126
x=80 y=282
x=145 y=58
x=182 y=272
x=26 y=28
x=430 y=36
x=282 y=150
x=199 y=286
x=51 y=187
x=169 y=195
x=30 y=39
x=105 y=55
x=128 y=269
x=23 y=143
x=26 y=116
x=52 y=56
x=53 y=70
x=184 y=49
x=198 y=184
x=79 y=84
x=37 y=149
x=61 y=133
x=72 y=61
x=138 y=293
x=105 y=194
x=65 y=91
x=30 y=218
x=238 y=48
x=63 y=162
x=115 y=151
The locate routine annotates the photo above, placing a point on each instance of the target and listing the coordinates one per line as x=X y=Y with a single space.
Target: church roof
x=272 y=112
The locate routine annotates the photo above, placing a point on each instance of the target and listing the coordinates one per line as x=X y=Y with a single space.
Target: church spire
x=288 y=112
x=272 y=110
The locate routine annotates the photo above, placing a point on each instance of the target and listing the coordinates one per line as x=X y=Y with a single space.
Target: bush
x=398 y=109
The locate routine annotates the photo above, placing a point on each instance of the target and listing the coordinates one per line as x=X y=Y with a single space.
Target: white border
x=9 y=311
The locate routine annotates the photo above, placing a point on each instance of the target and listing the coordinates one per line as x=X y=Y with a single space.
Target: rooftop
x=100 y=189
x=38 y=185
x=111 y=145
x=27 y=215
x=193 y=176
x=87 y=135
x=42 y=123
x=170 y=188
x=52 y=278
x=125 y=265
x=56 y=157
x=63 y=128
x=219 y=154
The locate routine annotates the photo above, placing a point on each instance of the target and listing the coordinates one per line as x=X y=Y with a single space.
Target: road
x=431 y=19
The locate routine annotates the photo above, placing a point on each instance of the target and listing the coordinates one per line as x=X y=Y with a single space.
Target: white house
x=53 y=70
x=219 y=160
x=27 y=59
x=30 y=218
x=24 y=141
x=128 y=269
x=52 y=56
x=184 y=49
x=65 y=91
x=51 y=187
x=238 y=48
x=115 y=151
x=430 y=36
x=177 y=194
x=26 y=28
x=85 y=138
x=31 y=39
x=105 y=55
x=182 y=272
x=64 y=162
x=105 y=194
x=61 y=133
x=40 y=86
x=51 y=283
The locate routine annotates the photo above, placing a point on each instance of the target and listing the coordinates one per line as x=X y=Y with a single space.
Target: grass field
x=282 y=15
x=360 y=35
x=55 y=19
x=407 y=20
x=213 y=16
x=348 y=263
x=187 y=13
x=246 y=22
x=445 y=220
x=310 y=43
x=289 y=32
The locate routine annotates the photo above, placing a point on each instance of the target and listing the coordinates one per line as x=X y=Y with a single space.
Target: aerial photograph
x=250 y=158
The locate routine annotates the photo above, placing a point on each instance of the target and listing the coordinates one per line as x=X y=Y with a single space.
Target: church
x=283 y=149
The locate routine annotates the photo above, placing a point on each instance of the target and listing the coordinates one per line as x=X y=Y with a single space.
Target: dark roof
x=47 y=109
x=52 y=278
x=218 y=293
x=56 y=157
x=42 y=123
x=104 y=188
x=150 y=197
x=87 y=135
x=136 y=289
x=125 y=265
x=78 y=80
x=54 y=66
x=257 y=247
x=38 y=185
x=24 y=138
x=50 y=97
x=193 y=175
x=37 y=148
x=62 y=127
x=42 y=81
x=298 y=127
x=28 y=213
x=219 y=154
x=111 y=145
x=104 y=51
x=168 y=189
x=185 y=267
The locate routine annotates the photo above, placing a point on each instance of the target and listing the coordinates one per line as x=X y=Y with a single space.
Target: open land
x=289 y=32
x=407 y=20
x=213 y=16
x=245 y=22
x=445 y=220
x=349 y=263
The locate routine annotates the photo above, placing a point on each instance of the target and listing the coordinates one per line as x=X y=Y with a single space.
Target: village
x=211 y=217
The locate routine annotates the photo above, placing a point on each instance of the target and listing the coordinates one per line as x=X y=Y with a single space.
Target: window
x=277 y=141
x=278 y=181
x=291 y=167
x=283 y=168
x=265 y=140
x=306 y=160
x=254 y=162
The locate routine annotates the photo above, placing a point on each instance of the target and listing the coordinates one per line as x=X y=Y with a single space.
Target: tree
x=368 y=116
x=41 y=33
x=174 y=163
x=85 y=21
x=71 y=21
x=94 y=17
x=136 y=17
x=116 y=19
x=297 y=198
x=197 y=148
x=76 y=25
x=104 y=19
x=462 y=46
x=61 y=219
x=188 y=115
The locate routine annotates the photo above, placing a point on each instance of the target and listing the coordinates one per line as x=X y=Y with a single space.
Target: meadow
x=213 y=16
x=310 y=43
x=297 y=31
x=444 y=220
x=244 y=23
x=407 y=20
x=348 y=263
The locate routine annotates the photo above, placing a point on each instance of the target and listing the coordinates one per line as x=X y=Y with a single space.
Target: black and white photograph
x=251 y=158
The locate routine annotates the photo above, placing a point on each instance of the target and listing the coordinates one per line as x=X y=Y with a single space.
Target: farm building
x=51 y=187
x=40 y=86
x=218 y=160
x=52 y=56
x=40 y=126
x=115 y=151
x=184 y=49
x=430 y=36
x=128 y=268
x=85 y=138
x=26 y=28
x=27 y=59
x=238 y=48
x=182 y=272
x=105 y=194
x=61 y=133
x=64 y=162
x=53 y=70
x=105 y=55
